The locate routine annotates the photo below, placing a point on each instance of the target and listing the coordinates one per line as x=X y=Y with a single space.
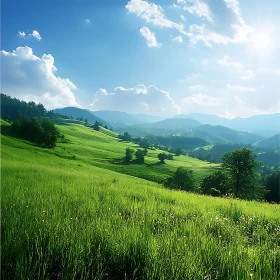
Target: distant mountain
x=122 y=119
x=265 y=125
x=77 y=113
x=223 y=135
x=168 y=126
x=205 y=118
x=270 y=143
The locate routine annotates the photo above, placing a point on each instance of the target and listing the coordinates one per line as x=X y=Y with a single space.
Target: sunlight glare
x=262 y=40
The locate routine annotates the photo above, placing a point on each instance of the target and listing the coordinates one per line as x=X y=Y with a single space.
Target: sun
x=262 y=40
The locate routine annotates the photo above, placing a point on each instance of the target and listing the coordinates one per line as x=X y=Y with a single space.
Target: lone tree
x=128 y=154
x=96 y=126
x=162 y=157
x=241 y=164
x=140 y=155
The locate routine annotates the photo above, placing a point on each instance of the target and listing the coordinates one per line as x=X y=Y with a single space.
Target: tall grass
x=66 y=219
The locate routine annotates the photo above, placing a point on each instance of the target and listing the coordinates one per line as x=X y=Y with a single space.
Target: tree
x=106 y=126
x=140 y=155
x=96 y=126
x=145 y=151
x=169 y=157
x=50 y=133
x=86 y=122
x=216 y=184
x=128 y=154
x=178 y=151
x=182 y=179
x=126 y=137
x=241 y=164
x=162 y=157
x=272 y=185
x=144 y=143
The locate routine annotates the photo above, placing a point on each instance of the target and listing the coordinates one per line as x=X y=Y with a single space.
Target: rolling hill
x=265 y=125
x=122 y=119
x=223 y=135
x=72 y=213
x=270 y=143
x=77 y=113
x=168 y=126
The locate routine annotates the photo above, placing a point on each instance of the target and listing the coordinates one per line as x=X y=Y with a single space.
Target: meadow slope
x=65 y=215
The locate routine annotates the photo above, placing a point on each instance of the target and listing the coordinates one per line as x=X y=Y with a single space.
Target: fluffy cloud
x=226 y=61
x=34 y=34
x=178 y=39
x=150 y=37
x=22 y=34
x=29 y=77
x=152 y=13
x=139 y=99
x=240 y=88
x=201 y=33
x=199 y=8
x=88 y=21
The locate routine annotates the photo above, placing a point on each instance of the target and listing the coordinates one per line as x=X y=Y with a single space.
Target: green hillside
x=67 y=213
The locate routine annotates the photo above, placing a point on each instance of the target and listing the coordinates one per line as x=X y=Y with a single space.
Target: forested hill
x=15 y=109
x=82 y=114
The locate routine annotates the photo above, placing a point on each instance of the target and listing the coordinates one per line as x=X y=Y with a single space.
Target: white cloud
x=139 y=99
x=150 y=37
x=249 y=75
x=201 y=100
x=31 y=78
x=199 y=8
x=152 y=13
x=196 y=87
x=35 y=34
x=271 y=71
x=226 y=61
x=22 y=34
x=183 y=18
x=240 y=88
x=201 y=33
x=178 y=39
x=234 y=6
x=88 y=21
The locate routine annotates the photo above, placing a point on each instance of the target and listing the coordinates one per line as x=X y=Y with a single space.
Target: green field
x=69 y=213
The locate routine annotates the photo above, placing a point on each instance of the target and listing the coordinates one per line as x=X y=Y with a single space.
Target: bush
x=214 y=183
x=182 y=179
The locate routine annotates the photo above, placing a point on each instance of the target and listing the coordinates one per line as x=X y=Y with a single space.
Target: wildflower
x=251 y=275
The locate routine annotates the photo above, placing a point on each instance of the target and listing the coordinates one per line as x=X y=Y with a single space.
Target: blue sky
x=155 y=57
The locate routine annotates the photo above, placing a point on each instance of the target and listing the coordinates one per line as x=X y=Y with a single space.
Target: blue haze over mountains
x=257 y=127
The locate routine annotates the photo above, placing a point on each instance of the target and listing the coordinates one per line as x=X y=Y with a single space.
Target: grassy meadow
x=72 y=213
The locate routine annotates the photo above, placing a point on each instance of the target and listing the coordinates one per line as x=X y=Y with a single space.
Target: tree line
x=238 y=178
x=44 y=134
x=14 y=109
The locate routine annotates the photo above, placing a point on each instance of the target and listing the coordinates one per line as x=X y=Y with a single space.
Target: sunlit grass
x=64 y=218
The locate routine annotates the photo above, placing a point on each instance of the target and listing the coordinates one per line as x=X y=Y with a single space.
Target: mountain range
x=211 y=128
